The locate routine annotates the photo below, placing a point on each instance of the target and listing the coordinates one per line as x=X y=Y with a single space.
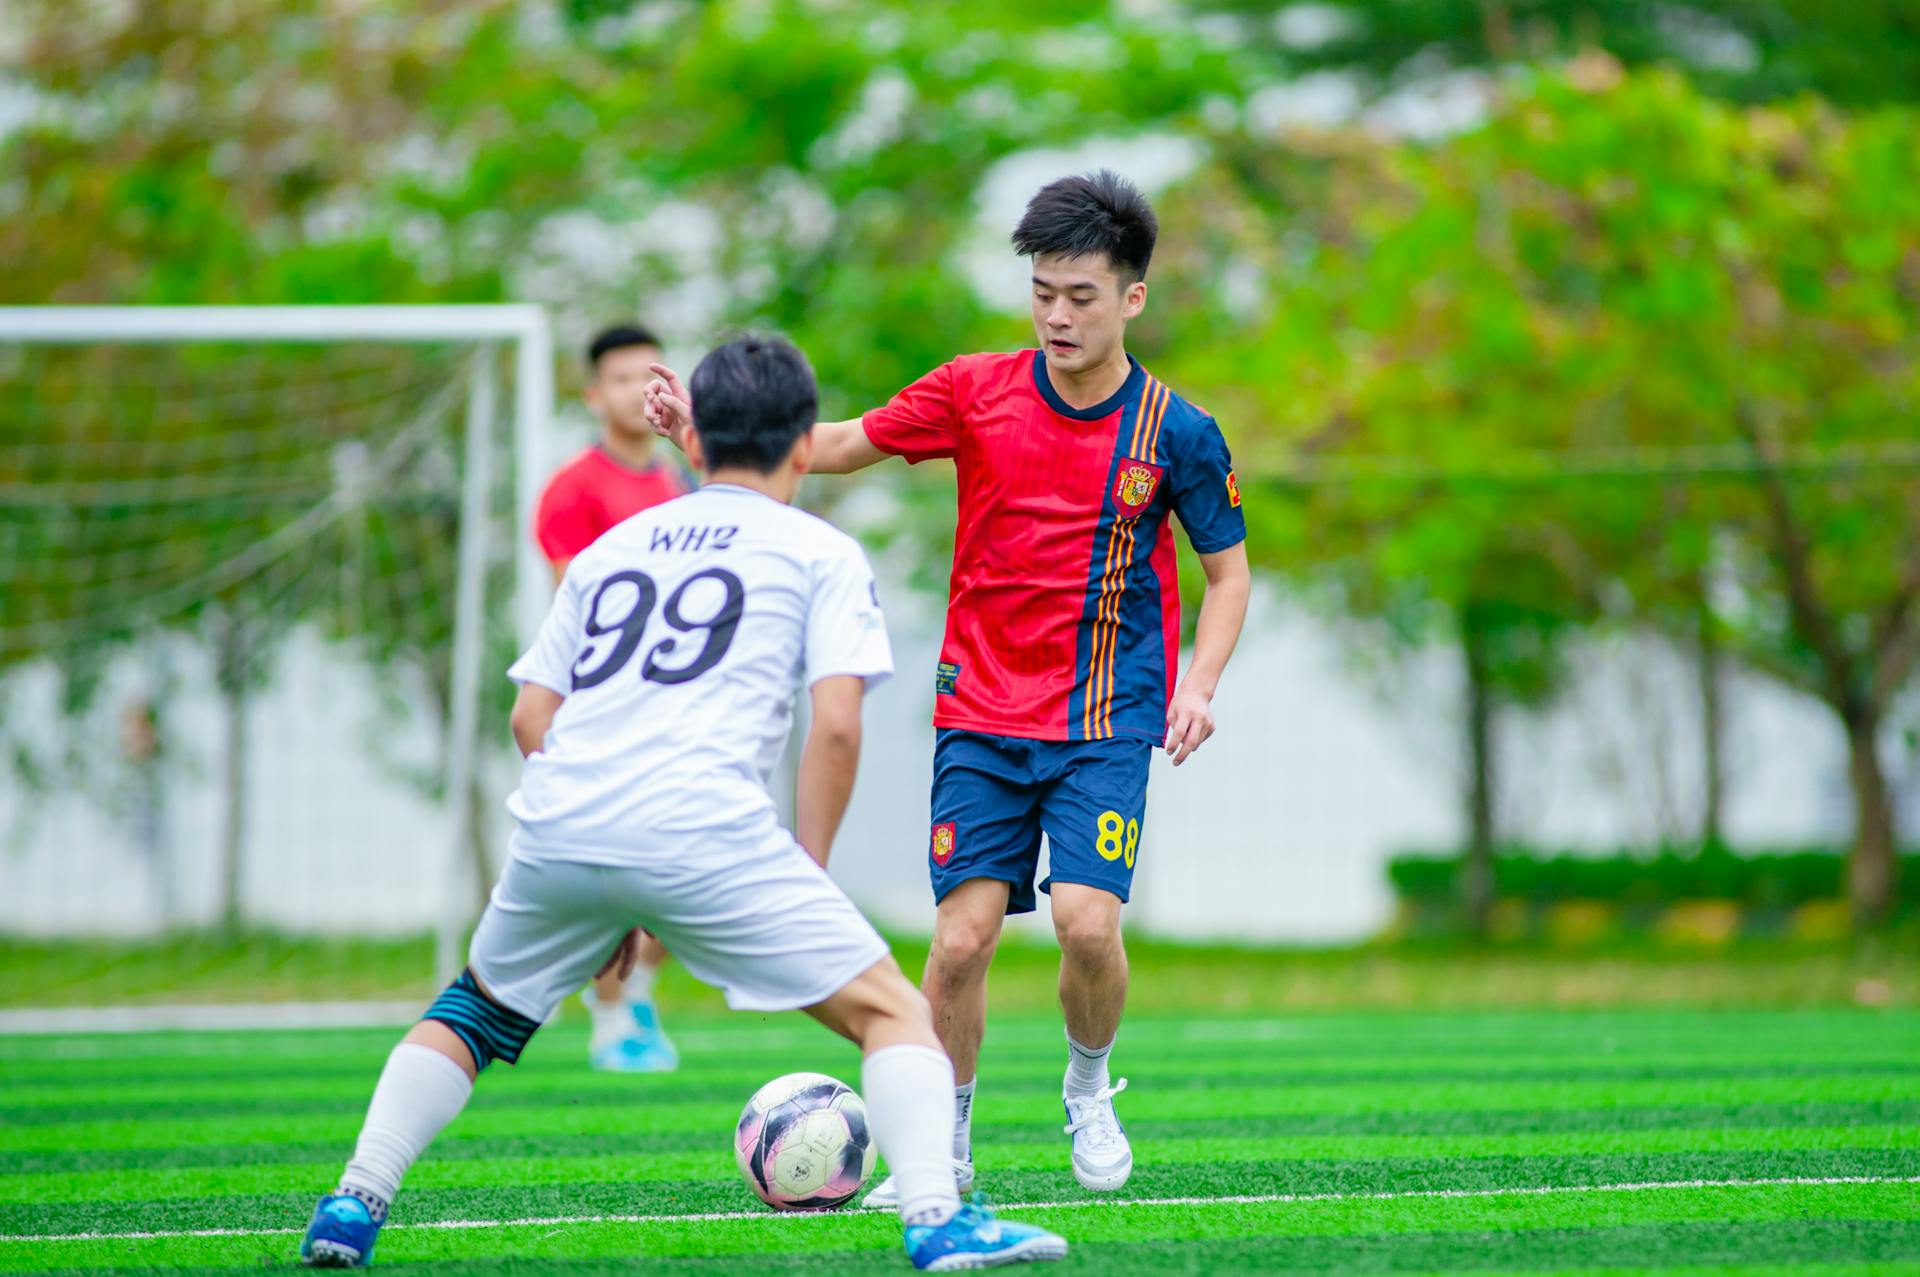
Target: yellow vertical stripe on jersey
x=1153 y=419
x=1099 y=635
x=1113 y=582
x=1156 y=412
x=1089 y=714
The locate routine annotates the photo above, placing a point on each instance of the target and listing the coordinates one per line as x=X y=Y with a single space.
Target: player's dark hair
x=618 y=337
x=752 y=399
x=1095 y=213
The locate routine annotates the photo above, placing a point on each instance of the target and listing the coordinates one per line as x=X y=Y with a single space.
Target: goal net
x=255 y=567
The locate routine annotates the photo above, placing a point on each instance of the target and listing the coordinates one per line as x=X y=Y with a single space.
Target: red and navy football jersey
x=1063 y=621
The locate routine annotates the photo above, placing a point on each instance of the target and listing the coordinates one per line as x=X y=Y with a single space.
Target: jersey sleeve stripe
x=1113 y=581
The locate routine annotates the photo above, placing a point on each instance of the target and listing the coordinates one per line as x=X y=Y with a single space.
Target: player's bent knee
x=490 y=1031
x=1088 y=935
x=964 y=944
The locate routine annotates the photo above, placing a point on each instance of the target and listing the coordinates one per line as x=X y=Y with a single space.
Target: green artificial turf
x=1876 y=970
x=1380 y=1142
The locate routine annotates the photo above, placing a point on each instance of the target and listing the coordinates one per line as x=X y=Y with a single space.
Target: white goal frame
x=522 y=326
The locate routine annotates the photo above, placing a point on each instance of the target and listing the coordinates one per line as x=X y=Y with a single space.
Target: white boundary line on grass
x=211 y=1017
x=1255 y=1199
x=379 y=1014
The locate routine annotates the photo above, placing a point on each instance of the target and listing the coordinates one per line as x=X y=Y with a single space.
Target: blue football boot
x=647 y=1049
x=973 y=1238
x=341 y=1235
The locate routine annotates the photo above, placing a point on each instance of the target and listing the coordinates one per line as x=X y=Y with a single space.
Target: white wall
x=1277 y=830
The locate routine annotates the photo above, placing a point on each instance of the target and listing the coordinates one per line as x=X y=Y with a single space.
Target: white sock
x=420 y=1091
x=963 y=1121
x=611 y=1020
x=1086 y=1067
x=640 y=983
x=909 y=1094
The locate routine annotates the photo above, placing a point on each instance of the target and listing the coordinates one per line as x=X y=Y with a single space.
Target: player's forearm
x=533 y=712
x=1223 y=611
x=828 y=764
x=841 y=447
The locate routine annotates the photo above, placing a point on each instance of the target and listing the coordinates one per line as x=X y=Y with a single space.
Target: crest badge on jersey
x=1135 y=485
x=943 y=841
x=1233 y=488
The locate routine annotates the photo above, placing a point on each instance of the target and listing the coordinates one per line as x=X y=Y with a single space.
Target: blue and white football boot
x=973 y=1238
x=645 y=1048
x=341 y=1235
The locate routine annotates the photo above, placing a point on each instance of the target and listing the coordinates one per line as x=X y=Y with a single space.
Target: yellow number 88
x=1117 y=837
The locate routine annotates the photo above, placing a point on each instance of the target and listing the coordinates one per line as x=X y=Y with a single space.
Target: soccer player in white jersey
x=652 y=708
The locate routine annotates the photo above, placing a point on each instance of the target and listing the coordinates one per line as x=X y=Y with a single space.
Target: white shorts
x=749 y=913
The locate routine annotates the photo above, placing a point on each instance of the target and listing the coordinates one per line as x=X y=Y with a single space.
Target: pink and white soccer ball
x=803 y=1142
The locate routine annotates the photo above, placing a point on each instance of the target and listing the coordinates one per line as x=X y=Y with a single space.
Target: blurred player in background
x=617 y=477
x=652 y=707
x=1057 y=676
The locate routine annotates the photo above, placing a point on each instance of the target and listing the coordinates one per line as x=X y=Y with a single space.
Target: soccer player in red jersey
x=614 y=479
x=1057 y=677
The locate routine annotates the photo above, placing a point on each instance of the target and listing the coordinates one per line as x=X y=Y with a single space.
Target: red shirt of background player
x=593 y=492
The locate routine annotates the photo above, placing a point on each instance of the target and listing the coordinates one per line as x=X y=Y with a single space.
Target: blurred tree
x=1572 y=363
x=818 y=168
x=814 y=169
x=1859 y=52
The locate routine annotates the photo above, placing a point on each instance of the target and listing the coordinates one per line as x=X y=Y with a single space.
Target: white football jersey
x=678 y=639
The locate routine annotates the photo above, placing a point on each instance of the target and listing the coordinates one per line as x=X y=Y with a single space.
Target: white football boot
x=1102 y=1158
x=888 y=1194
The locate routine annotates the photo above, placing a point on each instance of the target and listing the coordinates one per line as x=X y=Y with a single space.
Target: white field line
x=280 y=1016
x=217 y=1016
x=1254 y=1199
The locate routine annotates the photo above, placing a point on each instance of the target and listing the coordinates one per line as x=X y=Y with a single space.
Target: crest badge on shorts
x=1134 y=486
x=943 y=840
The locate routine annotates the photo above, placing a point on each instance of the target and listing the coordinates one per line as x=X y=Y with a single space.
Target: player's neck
x=632 y=451
x=1091 y=386
x=781 y=485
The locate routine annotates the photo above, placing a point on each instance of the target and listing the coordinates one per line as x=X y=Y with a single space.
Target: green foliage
x=1766 y=879
x=1625 y=341
x=1563 y=368
x=1860 y=52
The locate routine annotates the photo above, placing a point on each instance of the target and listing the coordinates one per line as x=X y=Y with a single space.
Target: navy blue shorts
x=993 y=796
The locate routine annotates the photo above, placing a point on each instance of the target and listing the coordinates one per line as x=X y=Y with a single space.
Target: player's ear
x=802 y=454
x=696 y=455
x=1134 y=299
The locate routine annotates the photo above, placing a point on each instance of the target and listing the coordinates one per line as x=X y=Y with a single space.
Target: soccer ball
x=803 y=1142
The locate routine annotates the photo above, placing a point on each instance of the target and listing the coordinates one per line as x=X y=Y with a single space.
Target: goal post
x=218 y=421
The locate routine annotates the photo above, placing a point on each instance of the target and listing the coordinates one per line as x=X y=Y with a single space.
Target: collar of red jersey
x=1129 y=390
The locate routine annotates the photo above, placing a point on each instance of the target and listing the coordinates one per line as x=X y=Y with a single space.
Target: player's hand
x=1189 y=723
x=625 y=955
x=669 y=409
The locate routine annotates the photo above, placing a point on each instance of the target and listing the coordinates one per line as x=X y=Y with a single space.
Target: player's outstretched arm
x=839 y=447
x=1222 y=612
x=533 y=712
x=828 y=763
